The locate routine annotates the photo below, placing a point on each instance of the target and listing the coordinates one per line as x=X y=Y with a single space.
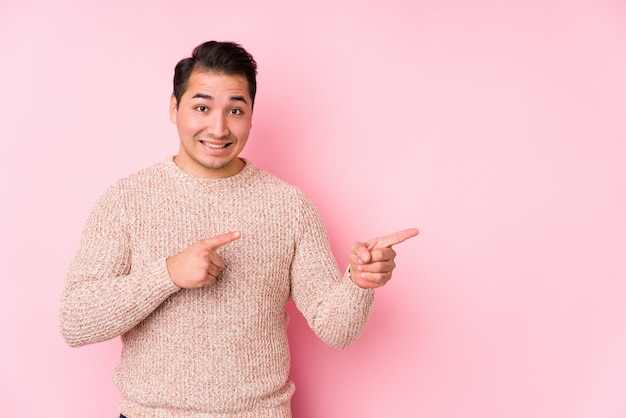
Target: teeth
x=213 y=145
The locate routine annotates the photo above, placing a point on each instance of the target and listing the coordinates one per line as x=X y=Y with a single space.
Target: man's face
x=213 y=118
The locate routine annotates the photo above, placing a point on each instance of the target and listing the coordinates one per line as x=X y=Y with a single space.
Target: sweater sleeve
x=334 y=307
x=102 y=299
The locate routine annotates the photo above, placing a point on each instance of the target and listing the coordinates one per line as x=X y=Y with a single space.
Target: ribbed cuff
x=359 y=293
x=160 y=281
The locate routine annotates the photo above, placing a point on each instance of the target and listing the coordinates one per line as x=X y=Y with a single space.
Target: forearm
x=341 y=317
x=97 y=309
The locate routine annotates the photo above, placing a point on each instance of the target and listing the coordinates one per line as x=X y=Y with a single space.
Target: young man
x=192 y=261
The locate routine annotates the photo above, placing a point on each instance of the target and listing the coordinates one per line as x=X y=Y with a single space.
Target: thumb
x=362 y=253
x=220 y=240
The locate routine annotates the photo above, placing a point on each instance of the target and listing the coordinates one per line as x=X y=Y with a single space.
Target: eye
x=202 y=108
x=235 y=112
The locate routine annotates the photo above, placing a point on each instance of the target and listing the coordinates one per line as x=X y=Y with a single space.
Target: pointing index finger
x=392 y=239
x=220 y=240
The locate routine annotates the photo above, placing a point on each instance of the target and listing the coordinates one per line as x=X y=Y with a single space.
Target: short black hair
x=220 y=57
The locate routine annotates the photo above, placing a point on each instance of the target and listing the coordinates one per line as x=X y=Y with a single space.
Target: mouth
x=216 y=146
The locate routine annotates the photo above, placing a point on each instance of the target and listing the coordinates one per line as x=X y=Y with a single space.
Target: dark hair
x=220 y=57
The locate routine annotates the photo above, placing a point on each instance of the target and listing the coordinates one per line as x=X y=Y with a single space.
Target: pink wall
x=498 y=130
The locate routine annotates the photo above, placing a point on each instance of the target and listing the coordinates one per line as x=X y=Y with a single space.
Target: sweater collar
x=248 y=171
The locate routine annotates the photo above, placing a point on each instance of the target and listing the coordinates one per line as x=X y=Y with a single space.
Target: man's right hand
x=199 y=264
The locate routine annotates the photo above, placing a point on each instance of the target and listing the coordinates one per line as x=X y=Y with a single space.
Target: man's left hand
x=372 y=262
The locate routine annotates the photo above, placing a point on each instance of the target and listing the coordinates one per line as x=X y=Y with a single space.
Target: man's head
x=226 y=58
x=212 y=108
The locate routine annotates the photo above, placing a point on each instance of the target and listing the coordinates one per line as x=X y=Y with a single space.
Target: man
x=192 y=261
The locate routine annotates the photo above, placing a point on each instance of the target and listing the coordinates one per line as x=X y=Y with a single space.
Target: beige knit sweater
x=220 y=351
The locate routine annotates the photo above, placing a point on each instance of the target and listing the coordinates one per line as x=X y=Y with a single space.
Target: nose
x=218 y=127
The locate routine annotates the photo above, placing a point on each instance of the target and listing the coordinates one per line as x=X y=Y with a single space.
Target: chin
x=218 y=164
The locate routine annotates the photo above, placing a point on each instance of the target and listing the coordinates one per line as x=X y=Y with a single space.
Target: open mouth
x=215 y=146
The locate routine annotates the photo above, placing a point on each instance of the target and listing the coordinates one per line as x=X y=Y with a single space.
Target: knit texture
x=219 y=351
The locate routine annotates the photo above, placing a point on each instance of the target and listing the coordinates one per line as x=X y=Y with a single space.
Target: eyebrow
x=209 y=97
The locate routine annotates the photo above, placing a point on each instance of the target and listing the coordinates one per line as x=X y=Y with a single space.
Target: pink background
x=496 y=127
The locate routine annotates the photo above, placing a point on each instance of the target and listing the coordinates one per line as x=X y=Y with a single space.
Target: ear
x=173 y=109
